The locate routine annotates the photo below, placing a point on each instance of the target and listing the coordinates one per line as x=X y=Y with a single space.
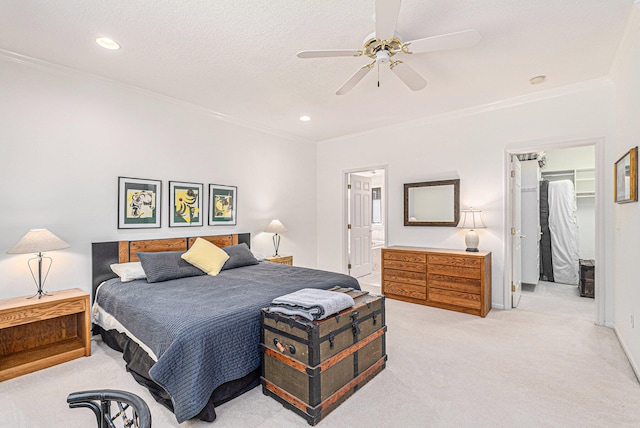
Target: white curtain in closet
x=563 y=228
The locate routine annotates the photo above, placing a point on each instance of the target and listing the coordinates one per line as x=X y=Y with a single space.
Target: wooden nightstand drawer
x=39 y=333
x=283 y=260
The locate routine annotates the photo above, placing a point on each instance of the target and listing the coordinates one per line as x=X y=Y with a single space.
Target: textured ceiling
x=238 y=57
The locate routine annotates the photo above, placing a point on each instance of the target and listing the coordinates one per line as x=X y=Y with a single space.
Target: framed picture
x=185 y=204
x=138 y=203
x=223 y=205
x=626 y=177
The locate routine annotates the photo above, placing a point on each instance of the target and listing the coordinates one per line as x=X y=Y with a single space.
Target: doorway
x=365 y=222
x=572 y=167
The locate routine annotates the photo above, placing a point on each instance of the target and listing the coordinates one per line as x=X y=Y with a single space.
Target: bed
x=193 y=341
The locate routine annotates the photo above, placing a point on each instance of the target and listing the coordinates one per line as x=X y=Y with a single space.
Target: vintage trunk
x=313 y=366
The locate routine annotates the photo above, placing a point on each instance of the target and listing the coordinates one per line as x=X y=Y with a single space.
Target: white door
x=516 y=231
x=530 y=218
x=360 y=226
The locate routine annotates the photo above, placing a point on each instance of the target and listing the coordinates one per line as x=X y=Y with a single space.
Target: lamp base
x=39 y=280
x=472 y=240
x=40 y=294
x=276 y=244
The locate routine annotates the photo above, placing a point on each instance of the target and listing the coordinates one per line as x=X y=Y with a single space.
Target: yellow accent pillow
x=206 y=256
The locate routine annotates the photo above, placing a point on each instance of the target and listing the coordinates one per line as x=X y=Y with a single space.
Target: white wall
x=66 y=137
x=627 y=216
x=468 y=145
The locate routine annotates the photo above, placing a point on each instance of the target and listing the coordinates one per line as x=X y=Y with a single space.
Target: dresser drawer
x=457 y=298
x=408 y=266
x=455 y=270
x=402 y=256
x=406 y=290
x=416 y=278
x=465 y=285
x=472 y=262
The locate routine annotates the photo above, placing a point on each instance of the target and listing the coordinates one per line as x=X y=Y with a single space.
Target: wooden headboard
x=104 y=254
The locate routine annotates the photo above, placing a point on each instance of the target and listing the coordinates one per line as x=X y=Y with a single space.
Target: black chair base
x=130 y=411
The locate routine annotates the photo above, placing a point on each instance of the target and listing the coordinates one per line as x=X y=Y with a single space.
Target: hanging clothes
x=546 y=265
x=563 y=229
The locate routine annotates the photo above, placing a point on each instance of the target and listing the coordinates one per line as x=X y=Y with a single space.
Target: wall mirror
x=432 y=203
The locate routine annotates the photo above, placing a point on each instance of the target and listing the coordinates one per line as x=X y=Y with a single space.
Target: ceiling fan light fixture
x=107 y=43
x=382 y=57
x=537 y=80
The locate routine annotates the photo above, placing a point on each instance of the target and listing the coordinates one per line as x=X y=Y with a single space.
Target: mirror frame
x=456 y=203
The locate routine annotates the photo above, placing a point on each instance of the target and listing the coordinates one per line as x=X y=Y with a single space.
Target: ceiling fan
x=383 y=44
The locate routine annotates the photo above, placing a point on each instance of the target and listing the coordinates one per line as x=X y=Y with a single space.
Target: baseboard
x=634 y=366
x=497 y=306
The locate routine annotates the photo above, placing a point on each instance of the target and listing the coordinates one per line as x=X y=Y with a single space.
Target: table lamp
x=471 y=219
x=38 y=241
x=275 y=227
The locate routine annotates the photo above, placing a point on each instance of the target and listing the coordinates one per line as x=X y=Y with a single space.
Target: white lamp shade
x=471 y=219
x=38 y=241
x=275 y=227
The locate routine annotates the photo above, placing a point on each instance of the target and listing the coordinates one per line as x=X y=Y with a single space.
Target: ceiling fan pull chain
x=378 y=75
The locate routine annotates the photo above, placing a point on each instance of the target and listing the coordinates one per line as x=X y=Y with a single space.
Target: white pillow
x=128 y=271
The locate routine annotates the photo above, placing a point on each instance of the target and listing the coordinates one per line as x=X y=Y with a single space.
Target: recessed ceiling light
x=305 y=118
x=537 y=80
x=107 y=43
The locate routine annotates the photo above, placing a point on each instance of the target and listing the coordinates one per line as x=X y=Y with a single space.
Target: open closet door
x=516 y=231
x=563 y=229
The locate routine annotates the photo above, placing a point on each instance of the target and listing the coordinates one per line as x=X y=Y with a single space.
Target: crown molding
x=72 y=72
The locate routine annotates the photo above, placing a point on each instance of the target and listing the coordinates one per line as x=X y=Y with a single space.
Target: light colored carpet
x=535 y=366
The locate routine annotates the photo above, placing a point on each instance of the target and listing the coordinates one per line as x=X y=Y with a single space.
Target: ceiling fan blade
x=461 y=39
x=408 y=75
x=387 y=12
x=353 y=80
x=329 y=53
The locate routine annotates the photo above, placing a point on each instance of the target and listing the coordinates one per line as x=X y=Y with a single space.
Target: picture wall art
x=138 y=203
x=626 y=177
x=222 y=205
x=185 y=204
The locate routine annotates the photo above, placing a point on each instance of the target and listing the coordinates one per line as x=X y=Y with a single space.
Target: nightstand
x=40 y=333
x=283 y=260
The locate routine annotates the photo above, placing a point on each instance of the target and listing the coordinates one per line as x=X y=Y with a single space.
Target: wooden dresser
x=447 y=279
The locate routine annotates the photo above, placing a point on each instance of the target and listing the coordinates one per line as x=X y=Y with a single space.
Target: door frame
x=549 y=145
x=345 y=209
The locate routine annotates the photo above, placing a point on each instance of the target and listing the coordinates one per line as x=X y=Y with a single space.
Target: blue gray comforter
x=205 y=330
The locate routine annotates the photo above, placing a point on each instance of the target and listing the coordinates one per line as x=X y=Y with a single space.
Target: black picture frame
x=223 y=205
x=185 y=204
x=139 y=202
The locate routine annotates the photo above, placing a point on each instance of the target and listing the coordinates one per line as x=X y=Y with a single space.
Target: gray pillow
x=167 y=265
x=239 y=255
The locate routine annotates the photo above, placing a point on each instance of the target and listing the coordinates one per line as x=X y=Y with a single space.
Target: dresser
x=448 y=279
